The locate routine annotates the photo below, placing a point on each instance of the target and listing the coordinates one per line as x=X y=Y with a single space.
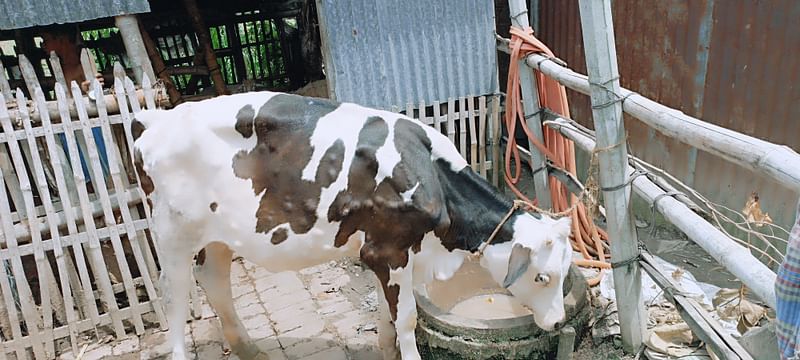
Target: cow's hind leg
x=395 y=277
x=176 y=281
x=214 y=276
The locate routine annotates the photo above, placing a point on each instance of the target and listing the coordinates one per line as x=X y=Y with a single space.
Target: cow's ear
x=518 y=263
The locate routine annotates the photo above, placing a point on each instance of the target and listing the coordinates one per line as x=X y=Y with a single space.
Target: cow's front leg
x=176 y=270
x=214 y=275
x=394 y=273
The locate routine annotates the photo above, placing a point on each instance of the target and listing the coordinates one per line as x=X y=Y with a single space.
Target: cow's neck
x=475 y=208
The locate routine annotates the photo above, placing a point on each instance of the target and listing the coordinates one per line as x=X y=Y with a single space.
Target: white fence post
x=530 y=103
x=601 y=62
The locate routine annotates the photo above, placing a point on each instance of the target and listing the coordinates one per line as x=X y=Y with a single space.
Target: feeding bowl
x=471 y=317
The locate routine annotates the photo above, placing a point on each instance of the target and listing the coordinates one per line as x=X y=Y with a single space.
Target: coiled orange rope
x=586 y=238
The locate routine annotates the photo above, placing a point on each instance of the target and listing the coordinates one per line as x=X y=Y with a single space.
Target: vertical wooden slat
x=451 y=114
x=89 y=301
x=462 y=126
x=98 y=263
x=10 y=177
x=437 y=114
x=473 y=136
x=28 y=74
x=50 y=213
x=137 y=241
x=88 y=65
x=497 y=167
x=5 y=88
x=11 y=247
x=147 y=89
x=32 y=319
x=422 y=115
x=58 y=72
x=410 y=110
x=105 y=201
x=482 y=135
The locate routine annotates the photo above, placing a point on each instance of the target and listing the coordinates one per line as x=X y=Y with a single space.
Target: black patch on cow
x=213 y=206
x=474 y=207
x=283 y=127
x=244 y=121
x=279 y=236
x=379 y=209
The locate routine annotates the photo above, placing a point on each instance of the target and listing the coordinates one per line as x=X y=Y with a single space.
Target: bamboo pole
x=530 y=108
x=732 y=256
x=601 y=62
x=134 y=45
x=204 y=38
x=776 y=161
x=88 y=104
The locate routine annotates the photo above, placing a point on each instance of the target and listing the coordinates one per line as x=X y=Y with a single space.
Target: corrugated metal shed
x=385 y=53
x=17 y=14
x=732 y=63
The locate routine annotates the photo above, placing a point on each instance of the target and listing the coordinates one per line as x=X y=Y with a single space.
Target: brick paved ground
x=326 y=312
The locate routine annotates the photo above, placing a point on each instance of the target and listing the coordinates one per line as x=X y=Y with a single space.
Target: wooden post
x=159 y=67
x=204 y=38
x=530 y=108
x=5 y=88
x=601 y=62
x=134 y=45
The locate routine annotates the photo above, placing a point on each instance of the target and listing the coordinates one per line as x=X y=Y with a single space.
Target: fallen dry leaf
x=753 y=213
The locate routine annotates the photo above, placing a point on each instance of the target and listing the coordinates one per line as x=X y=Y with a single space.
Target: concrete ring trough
x=444 y=335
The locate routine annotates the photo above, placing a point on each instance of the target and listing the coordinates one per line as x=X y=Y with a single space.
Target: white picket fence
x=76 y=251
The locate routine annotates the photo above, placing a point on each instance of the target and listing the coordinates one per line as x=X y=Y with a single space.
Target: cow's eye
x=543 y=279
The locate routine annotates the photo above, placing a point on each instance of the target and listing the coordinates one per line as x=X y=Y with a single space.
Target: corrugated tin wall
x=732 y=63
x=385 y=53
x=16 y=14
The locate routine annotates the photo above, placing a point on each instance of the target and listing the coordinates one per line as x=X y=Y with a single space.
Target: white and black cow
x=286 y=181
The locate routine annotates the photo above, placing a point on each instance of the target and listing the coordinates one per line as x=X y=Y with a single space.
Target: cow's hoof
x=250 y=351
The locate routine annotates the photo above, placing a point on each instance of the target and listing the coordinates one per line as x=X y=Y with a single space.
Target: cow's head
x=534 y=265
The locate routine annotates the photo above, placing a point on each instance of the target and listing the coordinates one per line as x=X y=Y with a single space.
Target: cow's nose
x=558 y=325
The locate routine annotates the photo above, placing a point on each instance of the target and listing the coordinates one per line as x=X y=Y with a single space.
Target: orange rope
x=586 y=238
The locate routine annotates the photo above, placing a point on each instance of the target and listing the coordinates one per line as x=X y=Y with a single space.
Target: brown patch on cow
x=283 y=127
x=213 y=206
x=137 y=128
x=279 y=236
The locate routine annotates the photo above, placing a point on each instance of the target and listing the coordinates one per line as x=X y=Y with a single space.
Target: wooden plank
x=11 y=247
x=495 y=143
x=530 y=109
x=58 y=249
x=33 y=320
x=147 y=89
x=422 y=115
x=28 y=74
x=98 y=263
x=473 y=136
x=105 y=201
x=437 y=116
x=137 y=241
x=601 y=61
x=410 y=110
x=482 y=135
x=70 y=214
x=710 y=332
x=462 y=126
x=89 y=67
x=52 y=302
x=5 y=88
x=451 y=120
x=10 y=177
x=58 y=72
